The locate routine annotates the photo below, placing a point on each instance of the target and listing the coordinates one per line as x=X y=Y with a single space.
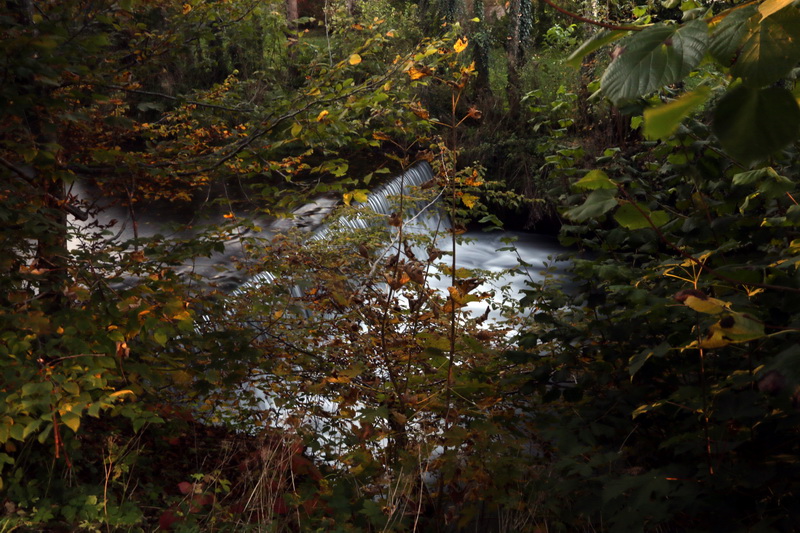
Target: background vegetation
x=654 y=387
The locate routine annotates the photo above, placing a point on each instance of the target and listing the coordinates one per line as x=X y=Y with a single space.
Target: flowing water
x=478 y=250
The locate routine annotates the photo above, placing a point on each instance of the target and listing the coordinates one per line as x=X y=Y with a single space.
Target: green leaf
x=653 y=58
x=637 y=361
x=729 y=33
x=628 y=216
x=71 y=420
x=160 y=337
x=593 y=180
x=753 y=176
x=598 y=203
x=32 y=428
x=660 y=122
x=597 y=41
x=770 y=49
x=70 y=387
x=753 y=123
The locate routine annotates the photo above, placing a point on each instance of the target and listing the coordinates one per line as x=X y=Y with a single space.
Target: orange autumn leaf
x=420 y=111
x=460 y=45
x=228 y=215
x=415 y=73
x=186 y=8
x=322 y=114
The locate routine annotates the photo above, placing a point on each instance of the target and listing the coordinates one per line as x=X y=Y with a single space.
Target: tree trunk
x=291 y=13
x=513 y=54
x=480 y=51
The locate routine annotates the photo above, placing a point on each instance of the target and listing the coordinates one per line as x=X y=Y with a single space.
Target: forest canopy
x=653 y=384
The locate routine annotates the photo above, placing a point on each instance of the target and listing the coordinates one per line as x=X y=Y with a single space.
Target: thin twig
x=693 y=259
x=177 y=99
x=590 y=21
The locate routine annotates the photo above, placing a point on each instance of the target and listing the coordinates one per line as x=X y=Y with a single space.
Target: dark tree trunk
x=51 y=257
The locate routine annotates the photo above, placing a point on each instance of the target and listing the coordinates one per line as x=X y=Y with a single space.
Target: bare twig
x=590 y=21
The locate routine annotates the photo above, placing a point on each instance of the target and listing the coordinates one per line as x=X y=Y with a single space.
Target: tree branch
x=177 y=99
x=590 y=21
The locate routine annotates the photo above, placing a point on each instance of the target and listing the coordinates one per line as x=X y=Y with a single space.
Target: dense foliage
x=654 y=386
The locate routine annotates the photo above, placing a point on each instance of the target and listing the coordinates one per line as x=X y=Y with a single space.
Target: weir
x=424 y=216
x=511 y=259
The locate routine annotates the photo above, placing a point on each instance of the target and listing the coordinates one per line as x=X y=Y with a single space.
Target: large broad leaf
x=598 y=203
x=655 y=57
x=726 y=41
x=597 y=41
x=662 y=121
x=639 y=217
x=595 y=179
x=770 y=49
x=770 y=7
x=753 y=123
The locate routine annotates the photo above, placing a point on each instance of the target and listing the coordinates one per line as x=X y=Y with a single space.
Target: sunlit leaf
x=728 y=34
x=415 y=73
x=769 y=7
x=469 y=200
x=71 y=420
x=701 y=302
x=662 y=121
x=770 y=49
x=461 y=45
x=355 y=59
x=594 y=179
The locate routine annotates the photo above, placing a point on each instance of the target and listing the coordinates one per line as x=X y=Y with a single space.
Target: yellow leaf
x=469 y=200
x=415 y=73
x=355 y=59
x=460 y=45
x=322 y=114
x=347 y=198
x=701 y=302
x=296 y=129
x=121 y=392
x=186 y=8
